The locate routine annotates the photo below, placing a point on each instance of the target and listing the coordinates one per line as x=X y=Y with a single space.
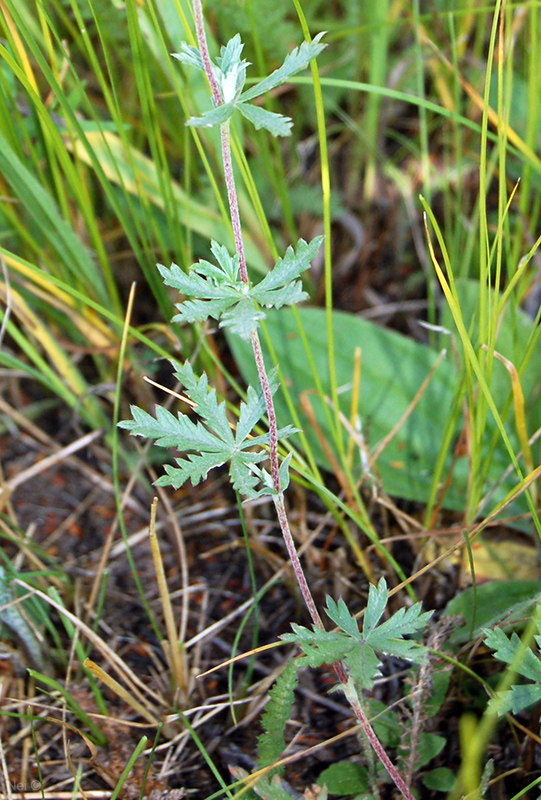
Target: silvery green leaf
x=188 y=283
x=195 y=467
x=201 y=310
x=190 y=55
x=168 y=430
x=204 y=397
x=242 y=318
x=250 y=413
x=509 y=649
x=216 y=290
x=359 y=649
x=377 y=602
x=214 y=443
x=13 y=618
x=297 y=60
x=244 y=474
x=320 y=647
x=228 y=264
x=340 y=615
x=404 y=622
x=230 y=54
x=364 y=665
x=216 y=116
x=516 y=699
x=276 y=124
x=283 y=472
x=279 y=287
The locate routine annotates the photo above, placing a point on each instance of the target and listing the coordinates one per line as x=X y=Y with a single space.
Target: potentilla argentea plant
x=221 y=290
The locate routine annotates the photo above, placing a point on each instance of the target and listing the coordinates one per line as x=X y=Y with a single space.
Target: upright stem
x=278 y=497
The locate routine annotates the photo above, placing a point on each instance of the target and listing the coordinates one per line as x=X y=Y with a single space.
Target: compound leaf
x=359 y=649
x=229 y=71
x=217 y=291
x=211 y=442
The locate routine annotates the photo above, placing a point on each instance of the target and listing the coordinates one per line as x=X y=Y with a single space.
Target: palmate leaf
x=229 y=71
x=211 y=441
x=217 y=291
x=359 y=649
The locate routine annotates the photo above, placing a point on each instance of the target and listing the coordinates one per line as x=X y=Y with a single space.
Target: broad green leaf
x=441 y=779
x=494 y=602
x=429 y=746
x=393 y=368
x=344 y=777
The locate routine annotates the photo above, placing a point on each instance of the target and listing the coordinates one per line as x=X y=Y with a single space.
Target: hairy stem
x=278 y=497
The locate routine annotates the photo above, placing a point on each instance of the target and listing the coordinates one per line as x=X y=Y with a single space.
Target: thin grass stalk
x=379 y=47
x=278 y=496
x=173 y=652
x=326 y=192
x=129 y=766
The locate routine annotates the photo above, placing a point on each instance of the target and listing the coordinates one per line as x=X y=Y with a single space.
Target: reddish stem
x=347 y=685
x=204 y=51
